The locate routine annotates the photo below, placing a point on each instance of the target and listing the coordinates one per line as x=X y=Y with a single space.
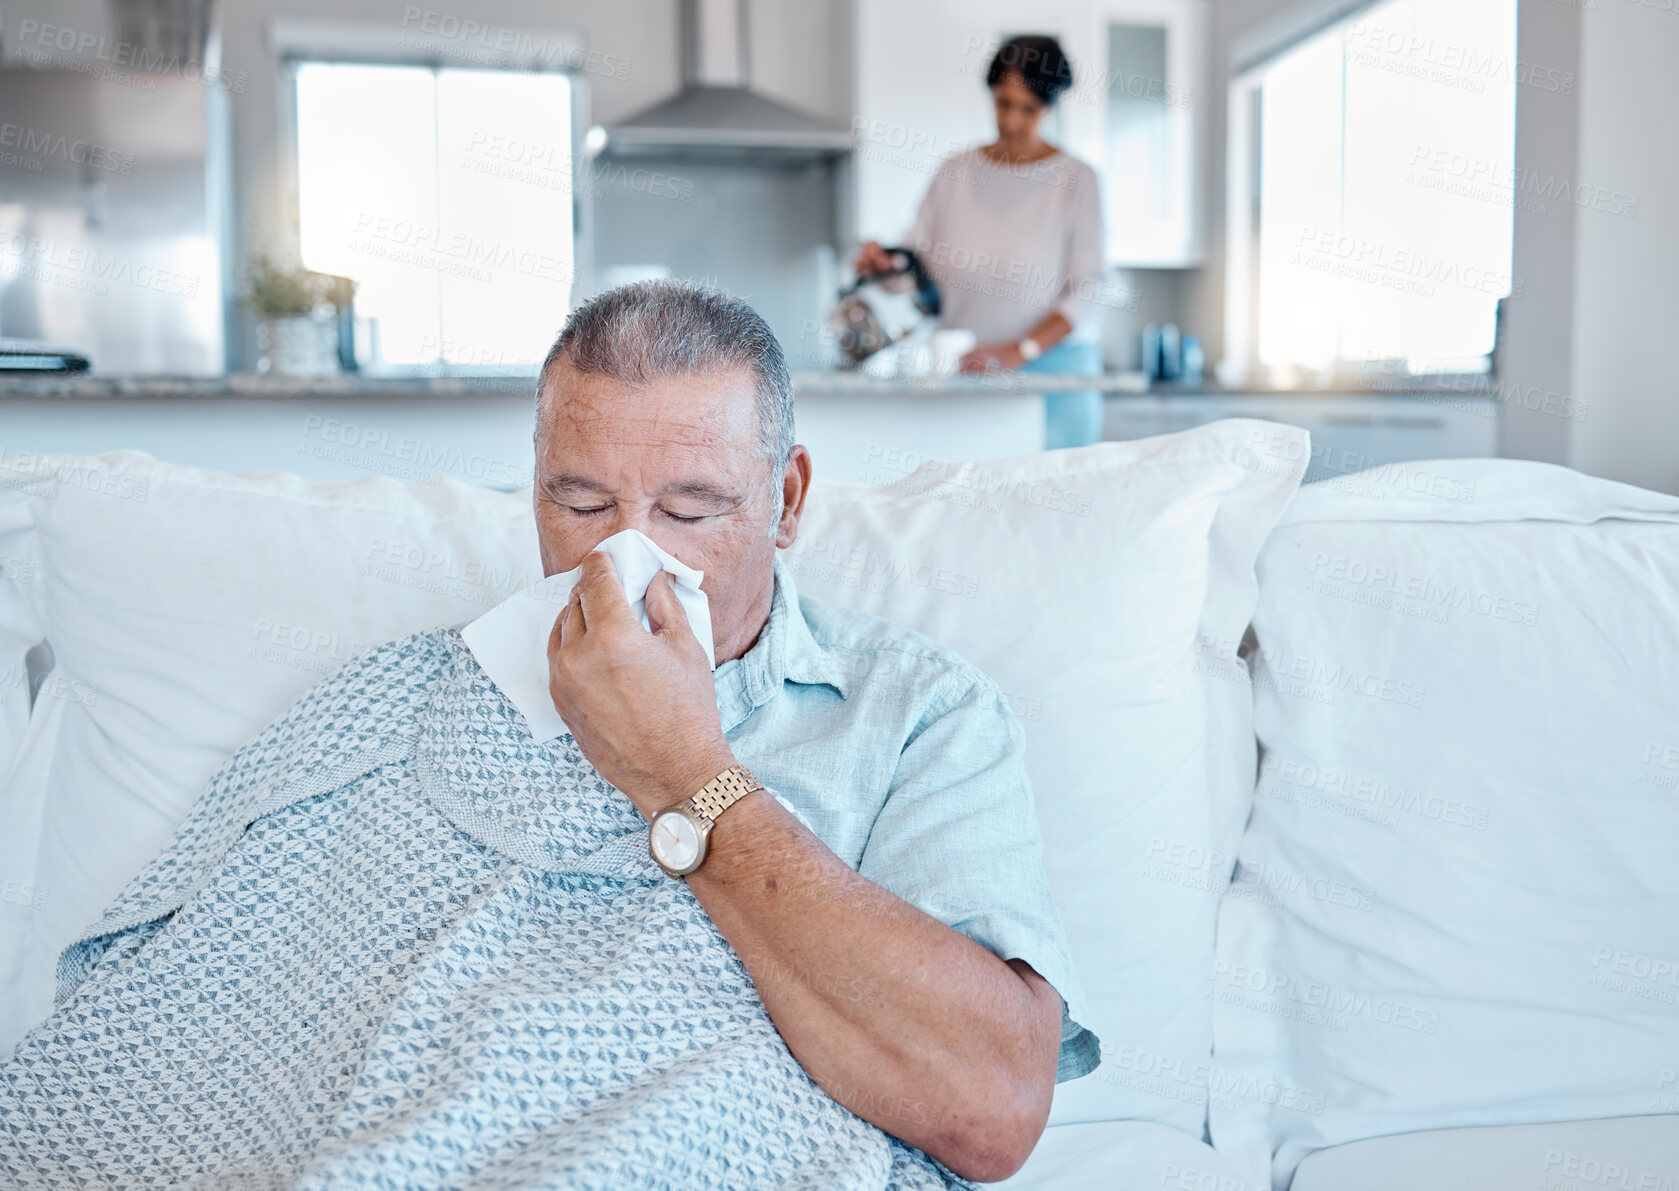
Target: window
x=446 y=195
x=1379 y=203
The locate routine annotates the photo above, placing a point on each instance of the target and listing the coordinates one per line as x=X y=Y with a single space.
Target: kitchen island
x=859 y=428
x=479 y=428
x=873 y=430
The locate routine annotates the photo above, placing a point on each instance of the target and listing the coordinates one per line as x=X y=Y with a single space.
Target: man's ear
x=795 y=486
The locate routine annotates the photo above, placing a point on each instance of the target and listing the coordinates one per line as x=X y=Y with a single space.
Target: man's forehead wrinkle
x=694 y=436
x=664 y=463
x=656 y=429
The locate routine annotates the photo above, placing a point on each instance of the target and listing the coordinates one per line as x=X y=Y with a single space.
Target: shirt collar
x=785 y=651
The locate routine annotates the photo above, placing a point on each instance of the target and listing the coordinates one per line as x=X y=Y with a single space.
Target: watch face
x=675 y=840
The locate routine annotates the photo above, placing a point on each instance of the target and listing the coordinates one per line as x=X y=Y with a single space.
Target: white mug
x=948 y=346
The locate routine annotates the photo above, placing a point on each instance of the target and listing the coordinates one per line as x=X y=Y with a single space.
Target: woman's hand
x=992 y=357
x=872 y=259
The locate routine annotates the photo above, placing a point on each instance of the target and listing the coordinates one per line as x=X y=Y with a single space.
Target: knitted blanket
x=398 y=944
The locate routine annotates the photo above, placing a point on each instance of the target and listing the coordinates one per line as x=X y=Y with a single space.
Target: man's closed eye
x=603 y=508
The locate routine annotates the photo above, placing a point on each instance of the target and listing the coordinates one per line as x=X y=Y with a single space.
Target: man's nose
x=620 y=519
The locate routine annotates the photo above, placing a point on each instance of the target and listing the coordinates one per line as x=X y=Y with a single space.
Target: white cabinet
x=1136 y=111
x=1351 y=432
x=1139 y=120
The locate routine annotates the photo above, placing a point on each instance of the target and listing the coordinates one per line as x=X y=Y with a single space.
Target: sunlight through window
x=446 y=195
x=1386 y=190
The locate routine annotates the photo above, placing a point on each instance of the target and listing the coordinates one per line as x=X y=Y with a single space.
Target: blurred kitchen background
x=337 y=237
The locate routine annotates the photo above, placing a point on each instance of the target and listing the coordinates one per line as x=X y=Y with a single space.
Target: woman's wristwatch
x=678 y=835
x=1029 y=349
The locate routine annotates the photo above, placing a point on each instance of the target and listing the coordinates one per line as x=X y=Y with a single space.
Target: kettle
x=880 y=309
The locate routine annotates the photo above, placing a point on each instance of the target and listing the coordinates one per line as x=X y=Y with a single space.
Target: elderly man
x=398 y=943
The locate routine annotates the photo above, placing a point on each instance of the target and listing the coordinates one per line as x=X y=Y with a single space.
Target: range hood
x=717 y=115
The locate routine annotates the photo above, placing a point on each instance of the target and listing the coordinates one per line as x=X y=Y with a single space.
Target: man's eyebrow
x=703 y=491
x=565 y=483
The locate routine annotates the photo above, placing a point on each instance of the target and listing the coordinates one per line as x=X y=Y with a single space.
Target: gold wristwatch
x=678 y=835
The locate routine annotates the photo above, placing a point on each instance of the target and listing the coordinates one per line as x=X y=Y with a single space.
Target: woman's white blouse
x=1008 y=244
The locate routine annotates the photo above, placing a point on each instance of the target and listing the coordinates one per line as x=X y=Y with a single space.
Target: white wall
x=1627 y=269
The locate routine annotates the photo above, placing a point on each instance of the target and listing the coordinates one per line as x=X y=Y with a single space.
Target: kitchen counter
x=858 y=428
x=73 y=385
x=977 y=384
x=267 y=385
x=835 y=381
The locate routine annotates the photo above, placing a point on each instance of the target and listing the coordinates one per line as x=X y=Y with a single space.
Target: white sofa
x=1360 y=802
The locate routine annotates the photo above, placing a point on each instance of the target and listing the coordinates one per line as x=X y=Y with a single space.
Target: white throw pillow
x=187 y=609
x=1615 y=1154
x=1455 y=899
x=1105 y=589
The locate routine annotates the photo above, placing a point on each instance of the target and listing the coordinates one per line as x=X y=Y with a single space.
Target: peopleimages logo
x=76 y=266
x=1321 y=676
x=35 y=38
x=1279 y=987
x=1430 y=590
x=1584 y=1172
x=484 y=43
x=1453 y=63
x=35 y=143
x=881 y=567
x=1375 y=793
x=1364 y=258
x=1478 y=177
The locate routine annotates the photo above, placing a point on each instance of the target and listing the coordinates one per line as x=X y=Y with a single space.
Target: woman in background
x=1012 y=233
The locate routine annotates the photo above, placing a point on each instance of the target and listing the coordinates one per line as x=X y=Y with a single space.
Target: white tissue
x=511 y=640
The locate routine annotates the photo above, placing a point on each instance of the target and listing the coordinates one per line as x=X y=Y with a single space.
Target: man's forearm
x=911 y=1025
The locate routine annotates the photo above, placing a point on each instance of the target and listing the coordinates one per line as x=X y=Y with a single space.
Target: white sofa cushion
x=1454 y=902
x=1122 y=1156
x=1105 y=589
x=1618 y=1154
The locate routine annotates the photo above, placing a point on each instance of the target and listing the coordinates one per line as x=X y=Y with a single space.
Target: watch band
x=723 y=791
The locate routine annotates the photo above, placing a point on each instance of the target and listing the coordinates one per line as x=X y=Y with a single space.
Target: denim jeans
x=1071 y=419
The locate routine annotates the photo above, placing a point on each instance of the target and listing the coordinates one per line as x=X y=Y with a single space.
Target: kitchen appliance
x=114 y=195
x=723 y=182
x=882 y=308
x=718 y=115
x=35 y=355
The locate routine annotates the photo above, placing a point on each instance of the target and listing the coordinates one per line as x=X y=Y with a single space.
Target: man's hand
x=641 y=705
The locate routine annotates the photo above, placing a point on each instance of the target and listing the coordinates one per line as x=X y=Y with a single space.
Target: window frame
x=302 y=41
x=1239 y=364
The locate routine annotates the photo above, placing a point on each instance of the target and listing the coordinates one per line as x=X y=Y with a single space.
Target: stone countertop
x=1003 y=383
x=71 y=386
x=266 y=385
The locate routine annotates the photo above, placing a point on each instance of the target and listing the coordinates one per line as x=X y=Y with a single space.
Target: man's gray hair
x=653 y=330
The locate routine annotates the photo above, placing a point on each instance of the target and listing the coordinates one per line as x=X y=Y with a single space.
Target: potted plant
x=299 y=315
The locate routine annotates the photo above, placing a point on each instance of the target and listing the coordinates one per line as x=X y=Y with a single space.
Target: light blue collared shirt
x=906 y=761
